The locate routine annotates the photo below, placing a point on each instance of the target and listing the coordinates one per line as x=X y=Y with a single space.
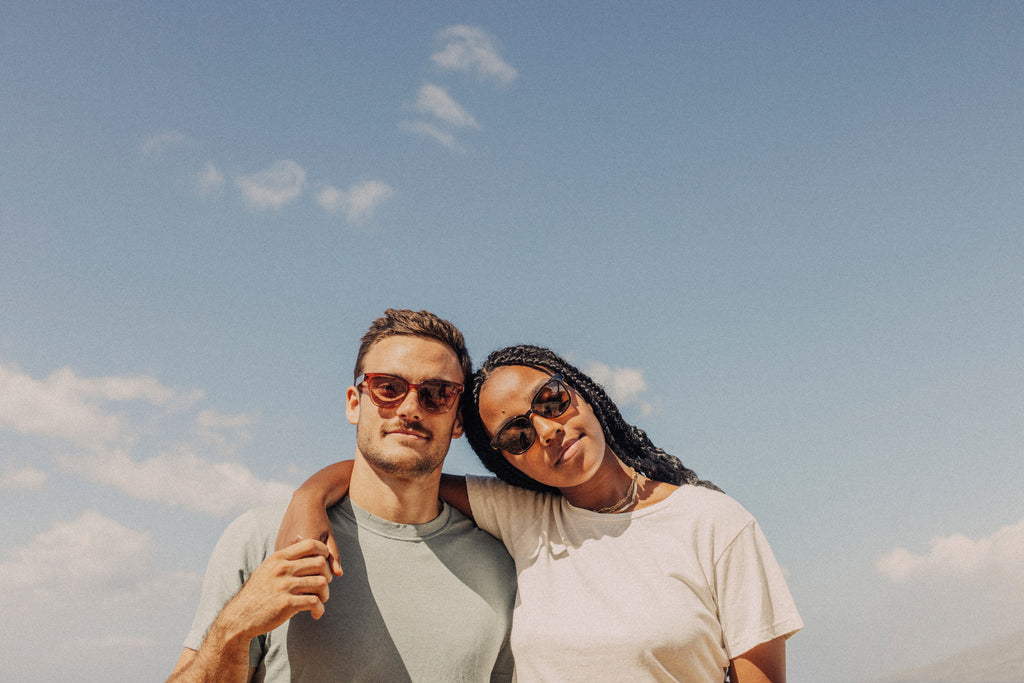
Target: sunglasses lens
x=552 y=400
x=517 y=436
x=387 y=392
x=436 y=397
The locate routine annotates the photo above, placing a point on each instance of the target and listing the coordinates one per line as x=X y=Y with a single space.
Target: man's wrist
x=228 y=635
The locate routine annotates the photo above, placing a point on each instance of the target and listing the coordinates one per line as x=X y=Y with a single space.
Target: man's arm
x=292 y=580
x=184 y=671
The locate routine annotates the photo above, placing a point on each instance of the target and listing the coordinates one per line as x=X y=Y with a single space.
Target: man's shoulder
x=260 y=517
x=465 y=530
x=255 y=529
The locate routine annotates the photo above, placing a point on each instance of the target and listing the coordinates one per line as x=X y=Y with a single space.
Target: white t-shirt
x=669 y=592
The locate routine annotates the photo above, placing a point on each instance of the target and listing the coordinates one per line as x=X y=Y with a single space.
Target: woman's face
x=567 y=449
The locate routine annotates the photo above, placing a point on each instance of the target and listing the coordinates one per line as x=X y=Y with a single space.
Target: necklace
x=626 y=500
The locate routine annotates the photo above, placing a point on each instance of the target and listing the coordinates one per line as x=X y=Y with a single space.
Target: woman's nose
x=547 y=429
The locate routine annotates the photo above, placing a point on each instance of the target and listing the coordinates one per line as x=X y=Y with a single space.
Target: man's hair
x=401 y=322
x=630 y=443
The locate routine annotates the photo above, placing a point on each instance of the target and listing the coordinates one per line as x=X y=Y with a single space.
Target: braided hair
x=630 y=443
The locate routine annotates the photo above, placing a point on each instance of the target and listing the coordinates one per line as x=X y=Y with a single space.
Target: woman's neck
x=613 y=488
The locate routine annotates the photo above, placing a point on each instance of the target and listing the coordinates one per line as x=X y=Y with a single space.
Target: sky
x=786 y=236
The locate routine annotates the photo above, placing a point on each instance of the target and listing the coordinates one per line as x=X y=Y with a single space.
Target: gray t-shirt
x=427 y=602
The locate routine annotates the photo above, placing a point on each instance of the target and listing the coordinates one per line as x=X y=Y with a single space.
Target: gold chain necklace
x=626 y=501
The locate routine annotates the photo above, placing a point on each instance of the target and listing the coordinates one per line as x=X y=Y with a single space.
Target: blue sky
x=787 y=236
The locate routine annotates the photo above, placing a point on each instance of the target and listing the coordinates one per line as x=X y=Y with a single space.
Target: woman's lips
x=568 y=451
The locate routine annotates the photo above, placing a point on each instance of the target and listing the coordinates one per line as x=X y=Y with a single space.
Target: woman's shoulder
x=709 y=506
x=498 y=492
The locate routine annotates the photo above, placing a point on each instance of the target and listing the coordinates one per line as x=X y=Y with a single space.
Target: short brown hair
x=399 y=322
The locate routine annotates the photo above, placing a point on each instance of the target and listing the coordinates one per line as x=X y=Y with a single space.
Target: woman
x=629 y=566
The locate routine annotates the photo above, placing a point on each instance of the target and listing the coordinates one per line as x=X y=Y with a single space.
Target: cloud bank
x=65 y=406
x=193 y=466
x=26 y=477
x=994 y=560
x=88 y=591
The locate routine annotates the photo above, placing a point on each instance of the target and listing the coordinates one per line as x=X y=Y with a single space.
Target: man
x=425 y=595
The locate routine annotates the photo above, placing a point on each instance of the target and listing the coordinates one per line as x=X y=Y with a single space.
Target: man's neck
x=398 y=500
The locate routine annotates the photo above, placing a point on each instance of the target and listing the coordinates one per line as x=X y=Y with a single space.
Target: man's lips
x=407 y=431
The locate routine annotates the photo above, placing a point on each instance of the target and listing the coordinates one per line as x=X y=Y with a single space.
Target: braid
x=630 y=443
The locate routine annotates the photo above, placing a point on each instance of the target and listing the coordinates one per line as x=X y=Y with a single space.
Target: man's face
x=405 y=441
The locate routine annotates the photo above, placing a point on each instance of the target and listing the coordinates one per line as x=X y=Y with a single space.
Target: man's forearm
x=293 y=579
x=222 y=657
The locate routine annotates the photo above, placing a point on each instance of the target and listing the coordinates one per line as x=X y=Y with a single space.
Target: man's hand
x=292 y=580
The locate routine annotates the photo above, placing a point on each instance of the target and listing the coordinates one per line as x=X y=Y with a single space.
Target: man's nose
x=410 y=408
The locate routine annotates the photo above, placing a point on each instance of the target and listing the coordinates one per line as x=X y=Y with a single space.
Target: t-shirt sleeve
x=754 y=602
x=239 y=551
x=502 y=510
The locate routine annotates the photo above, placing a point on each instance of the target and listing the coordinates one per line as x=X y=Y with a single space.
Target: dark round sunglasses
x=518 y=435
x=388 y=391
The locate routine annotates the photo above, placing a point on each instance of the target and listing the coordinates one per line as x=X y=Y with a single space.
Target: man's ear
x=352 y=405
x=457 y=427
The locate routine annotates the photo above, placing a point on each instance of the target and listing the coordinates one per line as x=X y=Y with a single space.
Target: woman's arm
x=765 y=663
x=455 y=493
x=306 y=516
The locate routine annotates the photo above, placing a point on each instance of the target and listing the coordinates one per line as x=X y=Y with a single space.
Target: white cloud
x=69 y=407
x=358 y=202
x=364 y=198
x=211 y=419
x=89 y=583
x=274 y=187
x=72 y=409
x=91 y=552
x=121 y=594
x=624 y=385
x=471 y=49
x=209 y=180
x=429 y=130
x=435 y=100
x=180 y=478
x=995 y=559
x=224 y=431
x=160 y=142
x=22 y=478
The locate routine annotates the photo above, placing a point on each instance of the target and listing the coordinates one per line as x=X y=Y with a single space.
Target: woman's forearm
x=329 y=485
